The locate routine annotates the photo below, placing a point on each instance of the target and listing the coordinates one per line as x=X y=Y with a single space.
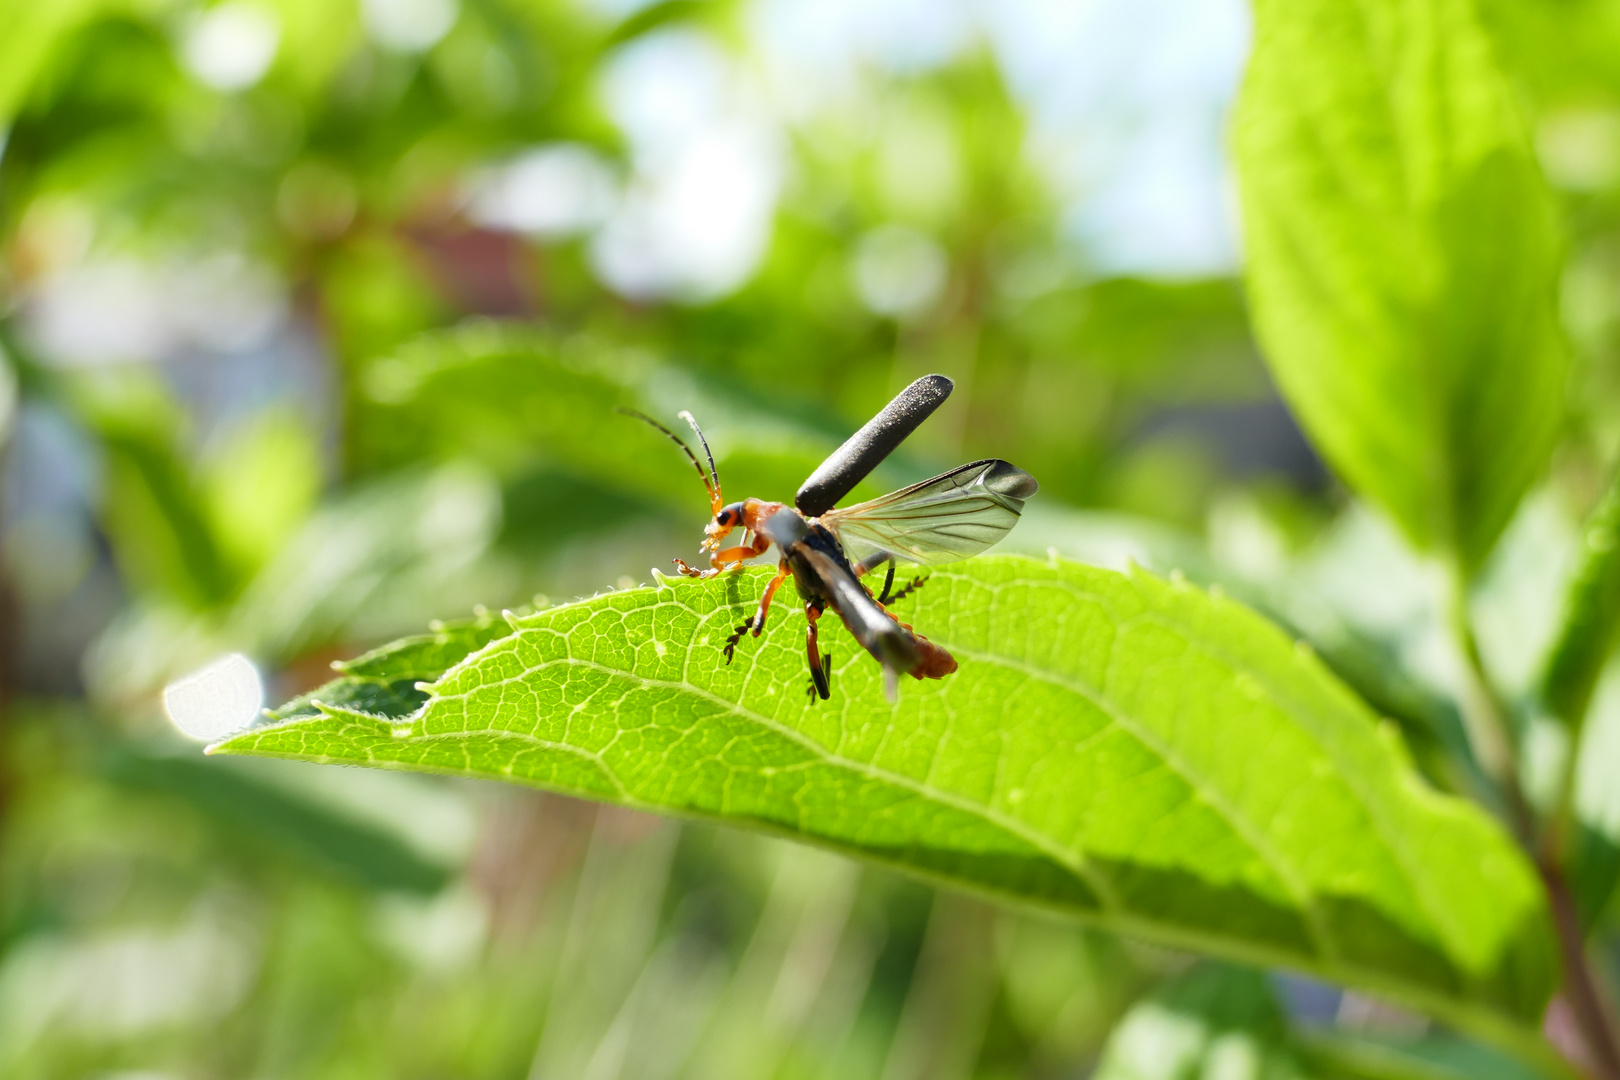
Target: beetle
x=954 y=515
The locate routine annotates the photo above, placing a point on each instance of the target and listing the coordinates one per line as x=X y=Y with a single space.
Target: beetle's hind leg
x=889 y=596
x=916 y=583
x=756 y=624
x=820 y=663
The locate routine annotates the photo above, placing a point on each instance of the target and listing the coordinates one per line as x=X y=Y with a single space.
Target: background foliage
x=314 y=315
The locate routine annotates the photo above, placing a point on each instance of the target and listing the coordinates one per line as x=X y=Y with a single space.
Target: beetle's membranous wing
x=954 y=516
x=865 y=450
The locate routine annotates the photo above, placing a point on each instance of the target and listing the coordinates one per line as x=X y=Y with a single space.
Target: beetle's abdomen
x=933 y=662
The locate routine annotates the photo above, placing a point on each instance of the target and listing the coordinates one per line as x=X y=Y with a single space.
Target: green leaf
x=383 y=681
x=243 y=807
x=506 y=395
x=155 y=512
x=369 y=562
x=29 y=34
x=1344 y=1056
x=1403 y=255
x=1591 y=619
x=1139 y=753
x=1594 y=858
x=1214 y=1021
x=260 y=484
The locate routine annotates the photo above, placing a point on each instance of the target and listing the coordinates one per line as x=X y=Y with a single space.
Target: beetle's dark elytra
x=866 y=449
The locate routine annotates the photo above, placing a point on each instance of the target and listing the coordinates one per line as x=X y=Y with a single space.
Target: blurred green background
x=313 y=315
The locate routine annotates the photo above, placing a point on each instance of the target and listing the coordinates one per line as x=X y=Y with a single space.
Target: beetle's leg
x=916 y=583
x=757 y=623
x=820 y=666
x=871 y=563
x=726 y=559
x=888 y=583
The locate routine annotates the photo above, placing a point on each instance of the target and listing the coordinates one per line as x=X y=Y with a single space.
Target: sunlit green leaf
x=1403 y=255
x=383 y=681
x=1135 y=752
x=260 y=484
x=28 y=34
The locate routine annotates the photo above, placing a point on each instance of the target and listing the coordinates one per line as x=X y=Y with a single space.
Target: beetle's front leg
x=757 y=623
x=726 y=559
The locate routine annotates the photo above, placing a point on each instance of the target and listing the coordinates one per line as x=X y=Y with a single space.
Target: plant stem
x=1593 y=1017
x=1486 y=717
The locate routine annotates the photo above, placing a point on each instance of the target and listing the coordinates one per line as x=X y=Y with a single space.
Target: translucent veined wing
x=954 y=516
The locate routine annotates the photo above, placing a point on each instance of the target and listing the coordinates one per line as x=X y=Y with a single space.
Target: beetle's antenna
x=712 y=487
x=690 y=419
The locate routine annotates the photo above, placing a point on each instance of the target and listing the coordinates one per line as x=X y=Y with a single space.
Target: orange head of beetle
x=726 y=518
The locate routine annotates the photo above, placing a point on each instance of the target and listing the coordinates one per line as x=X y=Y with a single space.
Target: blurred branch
x=1486 y=717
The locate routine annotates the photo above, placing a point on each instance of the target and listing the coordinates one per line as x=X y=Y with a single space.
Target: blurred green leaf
x=260 y=485
x=1403 y=255
x=656 y=16
x=507 y=394
x=1569 y=683
x=1343 y=1056
x=1594 y=856
x=155 y=512
x=28 y=34
x=1590 y=621
x=1213 y=1021
x=365 y=563
x=230 y=800
x=1136 y=752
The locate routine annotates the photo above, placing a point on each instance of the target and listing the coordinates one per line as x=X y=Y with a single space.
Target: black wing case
x=888 y=642
x=865 y=450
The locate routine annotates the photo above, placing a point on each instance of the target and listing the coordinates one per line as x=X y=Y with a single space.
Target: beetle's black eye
x=723 y=518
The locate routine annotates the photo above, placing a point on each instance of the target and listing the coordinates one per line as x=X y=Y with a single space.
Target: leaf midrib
x=1306 y=897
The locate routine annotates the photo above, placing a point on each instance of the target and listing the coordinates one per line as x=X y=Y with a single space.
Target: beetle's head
x=728 y=517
